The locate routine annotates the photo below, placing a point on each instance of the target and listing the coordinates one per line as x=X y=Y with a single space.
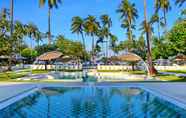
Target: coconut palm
x=128 y=14
x=147 y=29
x=105 y=31
x=91 y=28
x=11 y=31
x=51 y=4
x=77 y=27
x=163 y=5
x=156 y=19
x=31 y=31
x=106 y=21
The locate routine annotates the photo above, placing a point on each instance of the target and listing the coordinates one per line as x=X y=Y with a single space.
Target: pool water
x=92 y=102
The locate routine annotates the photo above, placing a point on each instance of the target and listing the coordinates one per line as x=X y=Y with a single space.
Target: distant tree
x=77 y=27
x=29 y=53
x=165 y=6
x=105 y=31
x=51 y=4
x=128 y=14
x=177 y=38
x=91 y=28
x=71 y=48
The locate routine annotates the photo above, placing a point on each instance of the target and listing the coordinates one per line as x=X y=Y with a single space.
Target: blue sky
x=28 y=11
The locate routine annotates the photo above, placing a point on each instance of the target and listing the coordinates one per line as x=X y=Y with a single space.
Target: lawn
x=176 y=71
x=7 y=76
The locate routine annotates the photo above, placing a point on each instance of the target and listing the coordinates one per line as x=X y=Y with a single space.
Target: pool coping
x=168 y=98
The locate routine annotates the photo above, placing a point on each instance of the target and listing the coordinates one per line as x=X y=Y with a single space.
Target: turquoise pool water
x=92 y=102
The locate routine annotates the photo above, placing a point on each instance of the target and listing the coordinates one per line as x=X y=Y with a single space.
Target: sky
x=28 y=11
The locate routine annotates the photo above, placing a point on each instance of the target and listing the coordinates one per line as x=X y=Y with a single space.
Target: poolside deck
x=172 y=92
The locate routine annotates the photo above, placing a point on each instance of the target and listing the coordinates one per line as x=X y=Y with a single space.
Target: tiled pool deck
x=172 y=92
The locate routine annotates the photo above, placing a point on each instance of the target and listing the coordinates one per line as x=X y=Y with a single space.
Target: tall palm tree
x=77 y=27
x=147 y=29
x=107 y=24
x=51 y=4
x=38 y=37
x=156 y=19
x=163 y=5
x=31 y=31
x=103 y=33
x=11 y=31
x=128 y=14
x=91 y=28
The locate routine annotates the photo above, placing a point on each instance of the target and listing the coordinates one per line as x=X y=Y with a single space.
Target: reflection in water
x=92 y=102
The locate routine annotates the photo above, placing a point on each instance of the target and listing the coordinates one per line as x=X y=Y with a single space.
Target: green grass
x=6 y=76
x=46 y=71
x=129 y=72
x=175 y=71
x=171 y=78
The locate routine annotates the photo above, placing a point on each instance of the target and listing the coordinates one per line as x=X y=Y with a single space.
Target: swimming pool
x=92 y=102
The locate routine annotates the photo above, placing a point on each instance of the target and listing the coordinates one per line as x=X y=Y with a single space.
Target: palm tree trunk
x=107 y=49
x=11 y=32
x=93 y=52
x=151 y=68
x=49 y=26
x=165 y=20
x=159 y=36
x=83 y=39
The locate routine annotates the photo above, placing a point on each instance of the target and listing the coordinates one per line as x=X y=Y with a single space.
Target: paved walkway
x=173 y=92
x=9 y=90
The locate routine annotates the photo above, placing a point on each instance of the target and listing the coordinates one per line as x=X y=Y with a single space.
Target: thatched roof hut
x=129 y=57
x=50 y=56
x=180 y=57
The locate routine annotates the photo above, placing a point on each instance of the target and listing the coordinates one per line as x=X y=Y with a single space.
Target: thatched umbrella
x=129 y=57
x=180 y=57
x=49 y=56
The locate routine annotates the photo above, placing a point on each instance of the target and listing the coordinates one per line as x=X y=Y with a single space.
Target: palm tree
x=31 y=31
x=164 y=5
x=180 y=2
x=38 y=37
x=11 y=31
x=77 y=27
x=105 y=31
x=147 y=29
x=128 y=14
x=91 y=28
x=51 y=4
x=156 y=19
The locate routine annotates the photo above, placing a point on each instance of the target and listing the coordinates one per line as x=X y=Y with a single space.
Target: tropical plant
x=29 y=53
x=71 y=48
x=77 y=27
x=147 y=29
x=91 y=29
x=156 y=19
x=128 y=14
x=165 y=6
x=51 y=4
x=105 y=31
x=176 y=38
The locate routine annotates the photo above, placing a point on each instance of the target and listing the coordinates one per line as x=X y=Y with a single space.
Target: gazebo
x=49 y=56
x=180 y=59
